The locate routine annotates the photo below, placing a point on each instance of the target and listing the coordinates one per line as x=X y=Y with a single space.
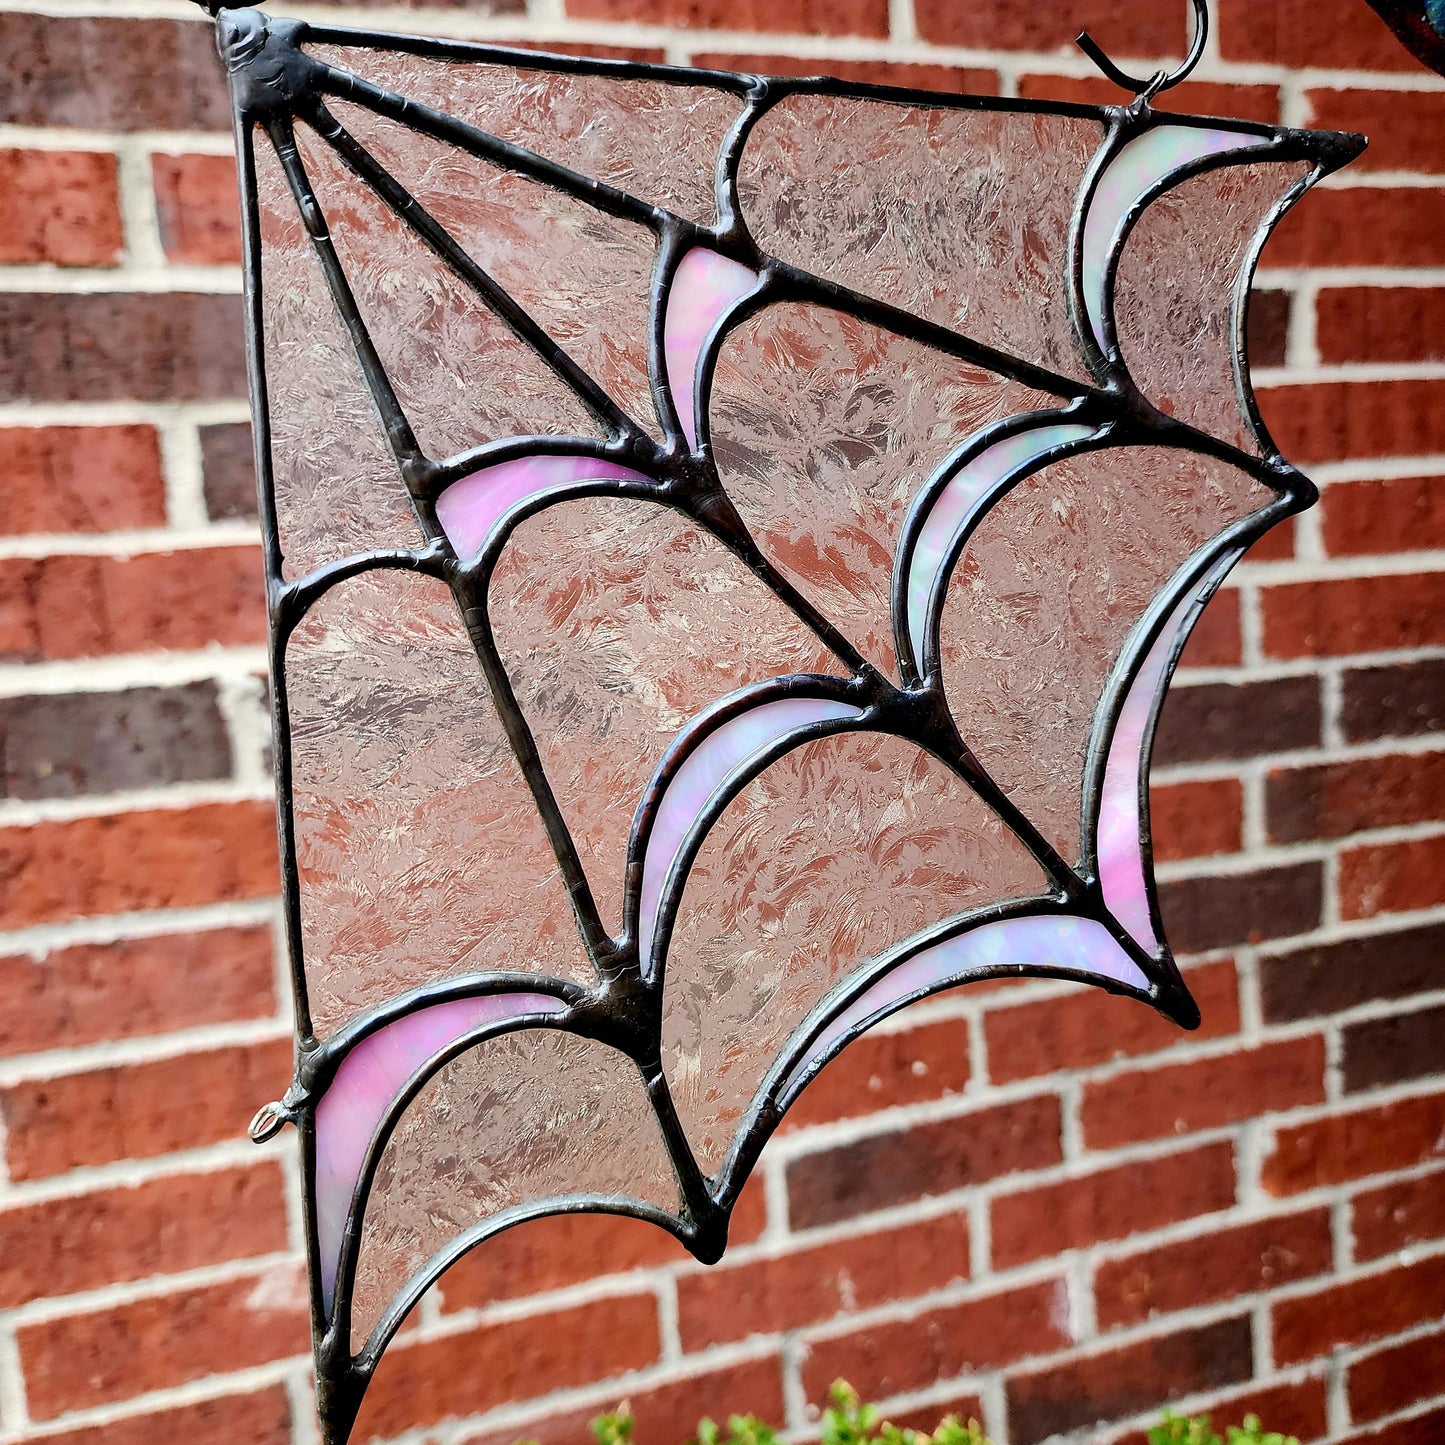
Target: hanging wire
x=1160 y=80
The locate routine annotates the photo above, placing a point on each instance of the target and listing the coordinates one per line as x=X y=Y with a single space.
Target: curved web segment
x=789 y=662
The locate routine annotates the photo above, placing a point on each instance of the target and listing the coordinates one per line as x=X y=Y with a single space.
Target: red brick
x=1233 y=908
x=1324 y=33
x=1299 y=1409
x=1359 y=226
x=1216 y=639
x=883 y=1170
x=1127 y=29
x=1380 y=323
x=180 y=1222
x=1212 y=721
x=59 y=606
x=1400 y=699
x=81 y=479
x=1204 y=1093
x=1392 y=878
x=1329 y=421
x=90 y=992
x=1198 y=97
x=1109 y=1204
x=1426 y=1429
x=804 y=17
x=1130 y=1380
x=1357 y=1311
x=663 y=1412
x=1330 y=800
x=76 y=1362
x=136 y=1111
x=806 y=1286
x=59 y=206
x=1402 y=514
x=963 y=1406
x=940 y=1344
x=1223 y=1265
x=1087 y=1027
x=1355 y=1145
x=198 y=208
x=1197 y=819
x=1394 y=1379
x=1395 y=1216
x=956 y=80
x=465 y=1374
x=651 y=54
x=1354 y=614
x=1406 y=127
x=120 y=862
x=928 y=1062
x=1332 y=977
x=1393 y=1050
x=263 y=1418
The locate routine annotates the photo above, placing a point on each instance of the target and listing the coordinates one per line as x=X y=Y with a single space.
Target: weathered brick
x=117 y=863
x=83 y=606
x=1029 y=1224
x=1357 y=1311
x=130 y=346
x=1394 y=1379
x=1197 y=819
x=1380 y=323
x=1355 y=1144
x=1392 y=878
x=662 y=1412
x=261 y=1418
x=89 y=991
x=805 y=17
x=803 y=1287
x=1238 y=720
x=1313 y=982
x=1330 y=800
x=228 y=465
x=928 y=1062
x=1396 y=700
x=198 y=208
x=1395 y=1216
x=1399 y=514
x=61 y=207
x=940 y=1344
x=1198 y=97
x=137 y=1111
x=1392 y=1050
x=96 y=73
x=915 y=75
x=1354 y=614
x=1203 y=1093
x=1406 y=127
x=64 y=745
x=1318 y=33
x=1154 y=30
x=1261 y=1255
x=179 y=1222
x=1330 y=421
x=75 y=1362
x=80 y=479
x=886 y=1169
x=1129 y=1380
x=464 y=1374
x=1219 y=912
x=1087 y=1027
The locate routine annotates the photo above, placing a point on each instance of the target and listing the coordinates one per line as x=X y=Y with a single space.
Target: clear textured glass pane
x=409 y=806
x=1180 y=288
x=337 y=486
x=1047 y=589
x=961 y=216
x=461 y=375
x=617 y=621
x=841 y=849
x=824 y=427
x=657 y=141
x=583 y=275
x=528 y=1116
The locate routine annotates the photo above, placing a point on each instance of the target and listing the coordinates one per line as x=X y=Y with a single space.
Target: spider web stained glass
x=798 y=549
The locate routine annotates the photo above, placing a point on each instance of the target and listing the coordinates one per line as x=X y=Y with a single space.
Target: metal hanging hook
x=1162 y=79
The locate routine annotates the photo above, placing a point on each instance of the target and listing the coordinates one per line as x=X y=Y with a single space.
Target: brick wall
x=1036 y=1204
